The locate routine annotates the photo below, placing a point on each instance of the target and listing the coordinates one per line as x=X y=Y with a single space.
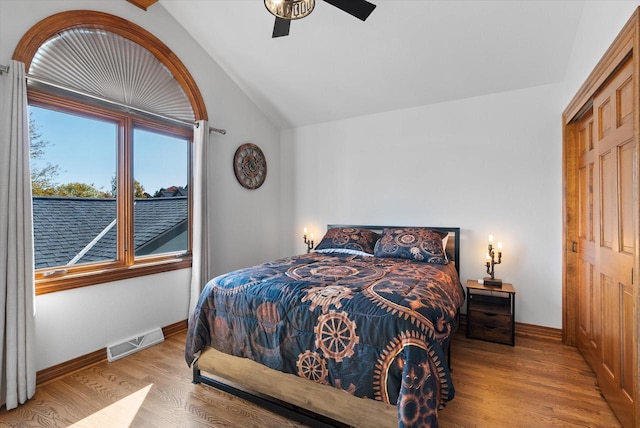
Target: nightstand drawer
x=493 y=304
x=493 y=334
x=490 y=319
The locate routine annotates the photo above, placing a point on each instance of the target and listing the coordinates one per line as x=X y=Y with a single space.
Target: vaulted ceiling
x=333 y=66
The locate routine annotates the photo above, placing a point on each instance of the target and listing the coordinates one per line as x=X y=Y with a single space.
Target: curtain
x=17 y=285
x=201 y=265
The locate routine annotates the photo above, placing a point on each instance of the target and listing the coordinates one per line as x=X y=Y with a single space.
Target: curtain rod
x=107 y=100
x=218 y=130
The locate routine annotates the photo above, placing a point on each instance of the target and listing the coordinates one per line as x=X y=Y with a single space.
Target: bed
x=355 y=333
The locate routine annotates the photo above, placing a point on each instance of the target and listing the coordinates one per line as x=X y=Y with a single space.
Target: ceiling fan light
x=290 y=9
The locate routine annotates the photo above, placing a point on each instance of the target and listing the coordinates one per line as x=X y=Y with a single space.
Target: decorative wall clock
x=250 y=166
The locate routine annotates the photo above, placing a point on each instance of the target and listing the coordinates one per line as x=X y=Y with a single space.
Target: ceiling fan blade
x=281 y=27
x=361 y=9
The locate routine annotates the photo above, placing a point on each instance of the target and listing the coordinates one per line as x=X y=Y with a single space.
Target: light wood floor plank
x=537 y=383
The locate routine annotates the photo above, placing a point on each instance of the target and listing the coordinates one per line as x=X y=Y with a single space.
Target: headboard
x=453 y=244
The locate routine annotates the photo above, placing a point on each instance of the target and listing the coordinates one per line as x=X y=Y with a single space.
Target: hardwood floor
x=537 y=383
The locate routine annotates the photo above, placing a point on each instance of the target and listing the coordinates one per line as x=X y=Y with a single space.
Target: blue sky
x=85 y=150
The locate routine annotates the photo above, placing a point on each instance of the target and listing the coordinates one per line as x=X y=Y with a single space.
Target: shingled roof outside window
x=70 y=231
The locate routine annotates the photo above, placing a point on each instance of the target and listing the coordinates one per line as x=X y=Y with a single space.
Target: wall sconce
x=309 y=241
x=491 y=262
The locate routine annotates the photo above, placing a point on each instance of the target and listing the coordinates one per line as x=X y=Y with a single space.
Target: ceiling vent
x=135 y=344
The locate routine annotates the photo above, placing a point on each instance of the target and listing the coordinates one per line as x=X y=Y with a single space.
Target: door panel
x=611 y=328
x=588 y=320
x=625 y=211
x=608 y=197
x=614 y=215
x=627 y=343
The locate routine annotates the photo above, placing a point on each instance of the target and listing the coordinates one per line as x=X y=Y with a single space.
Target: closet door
x=614 y=240
x=588 y=295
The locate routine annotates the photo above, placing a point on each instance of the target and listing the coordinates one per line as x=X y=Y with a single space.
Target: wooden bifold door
x=601 y=224
x=605 y=250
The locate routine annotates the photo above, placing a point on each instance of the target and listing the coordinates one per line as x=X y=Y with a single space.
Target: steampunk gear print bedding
x=373 y=327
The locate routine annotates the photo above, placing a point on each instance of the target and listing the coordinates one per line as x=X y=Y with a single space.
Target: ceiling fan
x=287 y=10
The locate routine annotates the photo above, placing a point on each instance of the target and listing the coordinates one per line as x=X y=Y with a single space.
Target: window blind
x=110 y=66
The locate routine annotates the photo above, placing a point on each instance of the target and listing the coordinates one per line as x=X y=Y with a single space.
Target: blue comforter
x=373 y=327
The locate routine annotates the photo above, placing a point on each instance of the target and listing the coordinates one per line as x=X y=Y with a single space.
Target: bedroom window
x=105 y=182
x=160 y=165
x=73 y=162
x=112 y=113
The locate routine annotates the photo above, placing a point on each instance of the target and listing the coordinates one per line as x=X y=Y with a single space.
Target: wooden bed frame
x=299 y=399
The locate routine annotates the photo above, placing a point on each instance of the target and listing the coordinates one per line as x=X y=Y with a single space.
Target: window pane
x=73 y=165
x=160 y=169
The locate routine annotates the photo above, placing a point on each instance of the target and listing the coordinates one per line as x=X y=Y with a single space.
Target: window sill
x=84 y=279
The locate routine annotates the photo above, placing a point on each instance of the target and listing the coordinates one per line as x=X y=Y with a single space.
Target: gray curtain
x=201 y=266
x=17 y=287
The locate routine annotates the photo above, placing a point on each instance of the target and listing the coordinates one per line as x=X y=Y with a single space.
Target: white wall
x=79 y=321
x=490 y=165
x=73 y=323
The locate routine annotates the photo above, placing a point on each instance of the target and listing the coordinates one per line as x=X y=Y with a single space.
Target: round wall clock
x=250 y=166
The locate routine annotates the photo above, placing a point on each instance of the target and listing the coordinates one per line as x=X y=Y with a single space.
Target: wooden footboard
x=297 y=398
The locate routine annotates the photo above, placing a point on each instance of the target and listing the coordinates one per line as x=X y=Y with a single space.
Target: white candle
x=305 y=230
x=490 y=238
x=499 y=246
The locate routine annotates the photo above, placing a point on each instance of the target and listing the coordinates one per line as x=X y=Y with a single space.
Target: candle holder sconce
x=491 y=280
x=308 y=241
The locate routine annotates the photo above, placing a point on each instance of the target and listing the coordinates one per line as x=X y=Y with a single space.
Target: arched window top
x=110 y=66
x=113 y=58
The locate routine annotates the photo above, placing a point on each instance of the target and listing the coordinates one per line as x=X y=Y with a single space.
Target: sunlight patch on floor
x=119 y=414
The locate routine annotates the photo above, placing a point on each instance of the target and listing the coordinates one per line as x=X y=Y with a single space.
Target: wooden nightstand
x=491 y=312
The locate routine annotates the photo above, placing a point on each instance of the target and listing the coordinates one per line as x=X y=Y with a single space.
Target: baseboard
x=538 y=332
x=47 y=375
x=527 y=330
x=175 y=328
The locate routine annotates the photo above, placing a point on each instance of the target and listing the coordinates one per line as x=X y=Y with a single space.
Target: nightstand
x=491 y=312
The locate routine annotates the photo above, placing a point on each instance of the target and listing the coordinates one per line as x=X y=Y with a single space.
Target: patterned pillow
x=413 y=243
x=351 y=238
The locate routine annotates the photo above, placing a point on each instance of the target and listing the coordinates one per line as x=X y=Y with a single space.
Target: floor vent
x=135 y=344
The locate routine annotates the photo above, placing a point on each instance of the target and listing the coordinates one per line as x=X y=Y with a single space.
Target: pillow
x=344 y=251
x=412 y=243
x=350 y=238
